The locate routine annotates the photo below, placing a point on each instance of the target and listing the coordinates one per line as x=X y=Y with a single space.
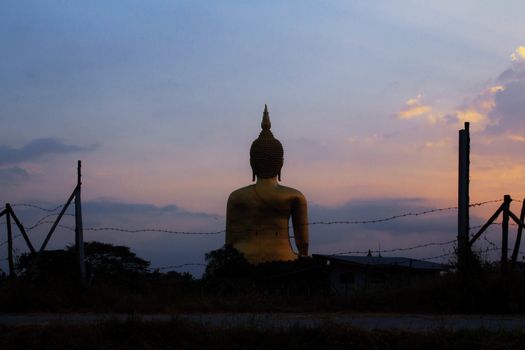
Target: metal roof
x=387 y=261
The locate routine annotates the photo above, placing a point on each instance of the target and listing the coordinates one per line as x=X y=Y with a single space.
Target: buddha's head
x=266 y=153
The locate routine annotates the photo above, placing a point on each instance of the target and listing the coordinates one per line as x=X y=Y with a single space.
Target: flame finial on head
x=266 y=152
x=266 y=124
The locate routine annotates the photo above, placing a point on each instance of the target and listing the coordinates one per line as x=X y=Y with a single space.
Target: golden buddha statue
x=257 y=216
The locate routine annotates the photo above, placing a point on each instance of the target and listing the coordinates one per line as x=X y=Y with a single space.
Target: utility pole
x=463 y=195
x=79 y=233
x=505 y=232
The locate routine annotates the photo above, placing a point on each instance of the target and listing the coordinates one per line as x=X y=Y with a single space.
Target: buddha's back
x=258 y=216
x=258 y=219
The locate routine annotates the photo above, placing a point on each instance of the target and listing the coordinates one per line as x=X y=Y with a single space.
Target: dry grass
x=177 y=334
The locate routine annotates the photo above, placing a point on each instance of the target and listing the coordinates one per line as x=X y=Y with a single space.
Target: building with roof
x=349 y=274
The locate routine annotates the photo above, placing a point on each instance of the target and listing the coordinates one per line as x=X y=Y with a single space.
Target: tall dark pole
x=505 y=233
x=79 y=233
x=463 y=195
x=9 y=242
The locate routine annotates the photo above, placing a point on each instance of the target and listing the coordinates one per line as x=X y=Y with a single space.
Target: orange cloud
x=517 y=138
x=478 y=110
x=439 y=143
x=496 y=88
x=471 y=115
x=413 y=108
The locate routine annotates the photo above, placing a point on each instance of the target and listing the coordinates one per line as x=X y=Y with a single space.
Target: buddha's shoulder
x=290 y=191
x=242 y=192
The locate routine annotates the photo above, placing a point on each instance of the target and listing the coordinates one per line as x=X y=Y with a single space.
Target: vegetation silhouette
x=120 y=281
x=229 y=273
x=103 y=260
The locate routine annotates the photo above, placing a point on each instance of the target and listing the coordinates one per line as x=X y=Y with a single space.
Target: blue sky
x=161 y=100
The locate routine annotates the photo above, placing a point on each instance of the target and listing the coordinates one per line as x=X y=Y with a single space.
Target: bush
x=228 y=272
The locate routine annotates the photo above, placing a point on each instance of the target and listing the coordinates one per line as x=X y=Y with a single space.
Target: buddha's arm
x=300 y=224
x=229 y=238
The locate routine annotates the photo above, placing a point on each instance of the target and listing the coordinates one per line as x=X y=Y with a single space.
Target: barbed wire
x=46 y=222
x=372 y=221
x=35 y=206
x=43 y=220
x=489 y=241
x=336 y=222
x=5 y=242
x=393 y=217
x=454 y=253
x=176 y=266
x=70 y=228
x=398 y=249
x=118 y=229
x=40 y=221
x=477 y=226
x=437 y=256
x=29 y=205
x=478 y=204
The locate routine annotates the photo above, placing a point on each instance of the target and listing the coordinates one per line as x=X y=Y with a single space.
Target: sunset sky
x=161 y=101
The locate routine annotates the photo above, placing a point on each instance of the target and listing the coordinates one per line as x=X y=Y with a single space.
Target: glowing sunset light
x=519 y=54
x=413 y=109
x=161 y=101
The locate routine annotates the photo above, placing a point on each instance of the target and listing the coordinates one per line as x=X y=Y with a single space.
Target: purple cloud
x=36 y=149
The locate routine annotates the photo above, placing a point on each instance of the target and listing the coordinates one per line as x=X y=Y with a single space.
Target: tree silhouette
x=225 y=263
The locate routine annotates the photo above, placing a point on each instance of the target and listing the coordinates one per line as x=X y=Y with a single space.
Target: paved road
x=363 y=321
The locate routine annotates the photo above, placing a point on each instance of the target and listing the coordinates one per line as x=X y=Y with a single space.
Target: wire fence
x=174 y=267
x=43 y=220
x=53 y=213
x=34 y=206
x=397 y=249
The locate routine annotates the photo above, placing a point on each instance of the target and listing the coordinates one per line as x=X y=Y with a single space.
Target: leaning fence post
x=505 y=232
x=50 y=233
x=22 y=230
x=79 y=234
x=9 y=242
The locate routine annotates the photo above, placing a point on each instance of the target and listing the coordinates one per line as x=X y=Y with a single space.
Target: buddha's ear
x=280 y=168
x=253 y=175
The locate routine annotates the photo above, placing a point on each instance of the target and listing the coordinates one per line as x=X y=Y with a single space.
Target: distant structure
x=257 y=216
x=352 y=274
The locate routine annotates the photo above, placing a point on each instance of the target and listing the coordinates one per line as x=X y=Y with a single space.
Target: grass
x=179 y=334
x=490 y=294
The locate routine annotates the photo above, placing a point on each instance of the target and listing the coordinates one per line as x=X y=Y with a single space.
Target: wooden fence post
x=79 y=234
x=463 y=196
x=9 y=242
